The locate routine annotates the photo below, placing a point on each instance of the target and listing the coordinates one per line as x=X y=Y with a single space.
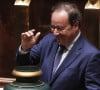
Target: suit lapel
x=51 y=59
x=68 y=60
x=75 y=51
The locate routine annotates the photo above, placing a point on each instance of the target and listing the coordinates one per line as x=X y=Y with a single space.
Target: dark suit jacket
x=79 y=71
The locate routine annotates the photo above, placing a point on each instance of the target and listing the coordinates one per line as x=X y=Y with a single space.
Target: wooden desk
x=4 y=81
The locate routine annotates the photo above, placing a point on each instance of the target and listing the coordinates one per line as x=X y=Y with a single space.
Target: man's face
x=61 y=27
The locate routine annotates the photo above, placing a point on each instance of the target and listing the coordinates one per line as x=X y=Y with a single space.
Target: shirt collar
x=73 y=42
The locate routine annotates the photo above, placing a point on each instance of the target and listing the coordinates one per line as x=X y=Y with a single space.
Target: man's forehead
x=61 y=13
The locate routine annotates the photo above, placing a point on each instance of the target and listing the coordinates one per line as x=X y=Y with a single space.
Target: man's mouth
x=59 y=39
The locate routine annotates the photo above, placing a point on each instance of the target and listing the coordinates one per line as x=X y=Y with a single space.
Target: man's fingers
x=28 y=33
x=33 y=30
x=23 y=35
x=37 y=35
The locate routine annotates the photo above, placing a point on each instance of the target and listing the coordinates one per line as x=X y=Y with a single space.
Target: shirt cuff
x=22 y=51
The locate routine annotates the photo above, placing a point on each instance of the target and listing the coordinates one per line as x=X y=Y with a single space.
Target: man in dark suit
x=79 y=65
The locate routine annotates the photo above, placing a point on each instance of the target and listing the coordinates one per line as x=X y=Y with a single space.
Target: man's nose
x=56 y=32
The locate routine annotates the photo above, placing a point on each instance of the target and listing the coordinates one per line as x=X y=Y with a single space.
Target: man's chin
x=60 y=42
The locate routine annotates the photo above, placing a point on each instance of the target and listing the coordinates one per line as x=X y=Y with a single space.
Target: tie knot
x=62 y=47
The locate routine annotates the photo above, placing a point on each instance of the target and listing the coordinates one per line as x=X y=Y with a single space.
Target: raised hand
x=28 y=39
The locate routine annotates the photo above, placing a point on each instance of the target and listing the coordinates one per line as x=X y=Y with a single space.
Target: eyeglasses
x=59 y=28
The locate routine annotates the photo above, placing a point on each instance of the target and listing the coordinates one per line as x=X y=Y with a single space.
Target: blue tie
x=58 y=58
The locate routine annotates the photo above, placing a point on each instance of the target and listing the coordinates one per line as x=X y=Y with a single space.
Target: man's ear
x=76 y=25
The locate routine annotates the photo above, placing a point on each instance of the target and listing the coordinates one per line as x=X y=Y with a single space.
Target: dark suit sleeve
x=92 y=75
x=22 y=59
x=32 y=57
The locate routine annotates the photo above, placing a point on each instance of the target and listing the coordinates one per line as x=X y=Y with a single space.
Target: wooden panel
x=92 y=28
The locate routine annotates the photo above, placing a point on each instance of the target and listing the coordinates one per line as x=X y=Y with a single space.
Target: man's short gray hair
x=71 y=9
